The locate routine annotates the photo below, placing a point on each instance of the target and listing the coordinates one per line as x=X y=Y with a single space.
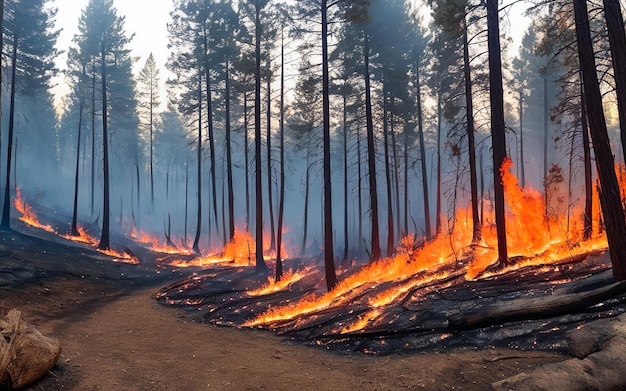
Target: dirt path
x=120 y=338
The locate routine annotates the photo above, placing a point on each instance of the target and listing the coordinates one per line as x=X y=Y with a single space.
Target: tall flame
x=536 y=238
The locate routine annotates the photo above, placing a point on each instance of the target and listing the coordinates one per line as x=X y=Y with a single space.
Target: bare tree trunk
x=498 y=134
x=186 y=200
x=93 y=136
x=74 y=226
x=104 y=240
x=438 y=212
x=229 y=159
x=329 y=262
x=420 y=130
x=545 y=140
x=471 y=144
x=617 y=42
x=306 y=206
x=346 y=239
x=6 y=210
x=281 y=194
x=522 y=164
x=588 y=218
x=260 y=262
x=396 y=172
x=246 y=152
x=196 y=240
x=610 y=200
x=270 y=198
x=361 y=238
x=371 y=156
x=390 y=229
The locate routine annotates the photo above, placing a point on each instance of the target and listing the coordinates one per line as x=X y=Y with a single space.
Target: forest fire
x=28 y=216
x=158 y=246
x=534 y=241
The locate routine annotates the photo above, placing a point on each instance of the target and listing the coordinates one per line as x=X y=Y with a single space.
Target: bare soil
x=114 y=335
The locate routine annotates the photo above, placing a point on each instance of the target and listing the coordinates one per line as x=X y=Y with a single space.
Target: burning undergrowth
x=435 y=294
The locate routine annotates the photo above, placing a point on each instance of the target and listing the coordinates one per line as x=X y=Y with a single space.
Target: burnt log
x=560 y=303
x=25 y=354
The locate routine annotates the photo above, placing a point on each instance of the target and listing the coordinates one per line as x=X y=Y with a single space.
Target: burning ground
x=432 y=296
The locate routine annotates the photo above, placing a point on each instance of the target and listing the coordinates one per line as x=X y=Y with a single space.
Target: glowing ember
x=28 y=216
x=286 y=280
x=157 y=246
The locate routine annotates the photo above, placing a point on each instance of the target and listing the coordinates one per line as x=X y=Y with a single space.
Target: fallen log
x=25 y=354
x=535 y=308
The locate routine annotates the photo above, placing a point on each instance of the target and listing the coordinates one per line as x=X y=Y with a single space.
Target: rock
x=25 y=354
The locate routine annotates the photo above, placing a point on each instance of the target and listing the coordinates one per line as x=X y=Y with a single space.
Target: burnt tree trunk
x=6 y=209
x=270 y=196
x=246 y=152
x=610 y=201
x=105 y=239
x=498 y=136
x=617 y=42
x=329 y=262
x=281 y=191
x=211 y=136
x=229 y=159
x=471 y=143
x=196 y=240
x=420 y=131
x=93 y=136
x=390 y=228
x=305 y=229
x=74 y=226
x=260 y=262
x=588 y=218
x=438 y=211
x=371 y=155
x=346 y=239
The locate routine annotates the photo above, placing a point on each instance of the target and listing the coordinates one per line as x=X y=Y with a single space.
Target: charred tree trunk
x=211 y=135
x=346 y=239
x=361 y=238
x=545 y=139
x=104 y=240
x=93 y=136
x=270 y=198
x=420 y=131
x=246 y=152
x=186 y=201
x=196 y=240
x=617 y=42
x=498 y=135
x=521 y=138
x=6 y=210
x=438 y=211
x=396 y=175
x=229 y=159
x=329 y=262
x=151 y=145
x=281 y=191
x=371 y=155
x=390 y=230
x=260 y=262
x=610 y=201
x=405 y=132
x=588 y=218
x=471 y=144
x=74 y=226
x=306 y=205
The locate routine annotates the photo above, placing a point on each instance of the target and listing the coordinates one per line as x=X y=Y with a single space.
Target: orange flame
x=157 y=246
x=530 y=233
x=28 y=216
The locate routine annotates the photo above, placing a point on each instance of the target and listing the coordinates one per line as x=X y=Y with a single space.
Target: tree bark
x=270 y=197
x=420 y=131
x=229 y=159
x=617 y=42
x=610 y=200
x=196 y=240
x=390 y=228
x=588 y=218
x=6 y=210
x=371 y=155
x=74 y=226
x=105 y=239
x=260 y=262
x=281 y=191
x=329 y=262
x=471 y=143
x=498 y=135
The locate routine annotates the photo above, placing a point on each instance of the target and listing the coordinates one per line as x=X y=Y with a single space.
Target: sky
x=147 y=19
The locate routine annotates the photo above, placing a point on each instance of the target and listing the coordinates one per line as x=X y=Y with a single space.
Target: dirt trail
x=120 y=338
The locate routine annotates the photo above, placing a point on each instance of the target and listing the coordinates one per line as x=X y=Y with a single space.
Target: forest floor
x=114 y=335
